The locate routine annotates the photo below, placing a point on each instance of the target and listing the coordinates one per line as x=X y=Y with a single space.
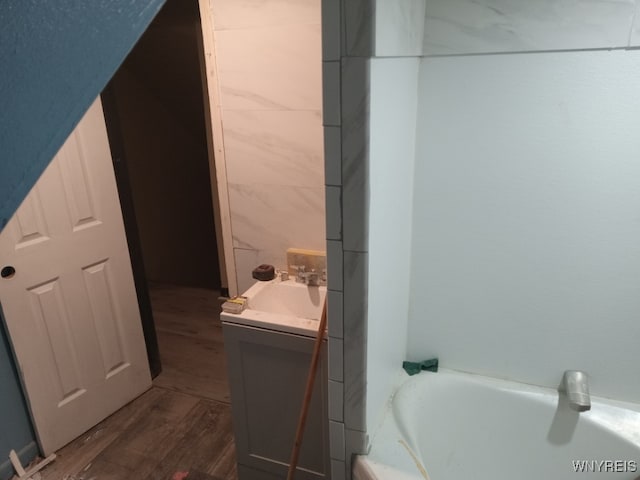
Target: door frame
x=215 y=148
x=118 y=157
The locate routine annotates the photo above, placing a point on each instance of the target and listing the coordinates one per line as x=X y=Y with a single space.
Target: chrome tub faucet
x=575 y=384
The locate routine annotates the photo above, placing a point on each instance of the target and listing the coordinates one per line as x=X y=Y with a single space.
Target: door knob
x=7 y=272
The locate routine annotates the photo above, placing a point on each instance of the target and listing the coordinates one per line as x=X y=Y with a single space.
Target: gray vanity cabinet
x=267 y=375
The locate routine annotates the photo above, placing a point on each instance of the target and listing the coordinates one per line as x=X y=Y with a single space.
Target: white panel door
x=70 y=307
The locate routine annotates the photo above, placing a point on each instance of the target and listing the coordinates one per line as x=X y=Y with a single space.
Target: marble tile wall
x=355 y=334
x=490 y=26
x=333 y=150
x=238 y=14
x=268 y=55
x=454 y=27
x=347 y=45
x=355 y=152
x=399 y=27
x=359 y=28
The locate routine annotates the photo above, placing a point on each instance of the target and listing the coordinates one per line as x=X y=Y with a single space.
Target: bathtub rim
x=503 y=384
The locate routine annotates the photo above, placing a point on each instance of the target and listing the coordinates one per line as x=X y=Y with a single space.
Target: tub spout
x=575 y=384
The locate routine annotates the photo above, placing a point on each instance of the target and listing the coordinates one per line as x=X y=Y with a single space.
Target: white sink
x=285 y=306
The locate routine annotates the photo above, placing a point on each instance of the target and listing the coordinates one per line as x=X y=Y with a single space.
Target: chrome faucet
x=575 y=384
x=300 y=273
x=311 y=278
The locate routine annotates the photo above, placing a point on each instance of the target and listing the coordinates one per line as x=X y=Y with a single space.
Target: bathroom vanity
x=268 y=350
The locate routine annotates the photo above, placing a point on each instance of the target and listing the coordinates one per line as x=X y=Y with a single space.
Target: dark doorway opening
x=155 y=113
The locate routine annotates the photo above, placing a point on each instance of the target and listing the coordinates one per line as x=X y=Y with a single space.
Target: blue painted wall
x=16 y=430
x=55 y=58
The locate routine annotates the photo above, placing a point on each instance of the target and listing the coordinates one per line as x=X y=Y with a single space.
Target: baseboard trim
x=25 y=454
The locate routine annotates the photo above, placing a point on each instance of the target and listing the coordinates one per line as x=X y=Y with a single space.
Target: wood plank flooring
x=190 y=338
x=183 y=423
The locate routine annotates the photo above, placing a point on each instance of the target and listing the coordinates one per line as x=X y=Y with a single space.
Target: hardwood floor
x=183 y=423
x=190 y=338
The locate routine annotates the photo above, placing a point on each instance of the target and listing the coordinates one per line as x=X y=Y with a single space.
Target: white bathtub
x=456 y=426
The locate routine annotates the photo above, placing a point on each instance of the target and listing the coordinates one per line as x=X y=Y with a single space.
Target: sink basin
x=286 y=306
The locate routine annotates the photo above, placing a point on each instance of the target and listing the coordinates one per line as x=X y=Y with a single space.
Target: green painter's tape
x=412 y=368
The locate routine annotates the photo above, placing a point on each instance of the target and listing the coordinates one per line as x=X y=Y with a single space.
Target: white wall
x=268 y=55
x=526 y=233
x=394 y=87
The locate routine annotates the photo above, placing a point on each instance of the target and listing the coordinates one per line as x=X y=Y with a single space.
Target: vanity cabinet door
x=267 y=374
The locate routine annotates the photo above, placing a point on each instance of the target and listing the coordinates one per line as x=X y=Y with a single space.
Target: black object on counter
x=264 y=272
